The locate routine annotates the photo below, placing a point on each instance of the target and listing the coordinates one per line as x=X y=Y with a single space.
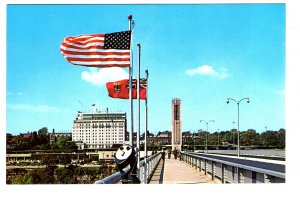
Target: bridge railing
x=230 y=172
x=147 y=169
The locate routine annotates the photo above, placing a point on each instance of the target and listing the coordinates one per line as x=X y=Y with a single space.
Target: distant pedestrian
x=175 y=153
x=169 y=153
x=163 y=155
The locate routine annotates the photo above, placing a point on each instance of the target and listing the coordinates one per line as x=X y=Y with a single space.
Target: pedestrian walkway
x=173 y=171
x=157 y=177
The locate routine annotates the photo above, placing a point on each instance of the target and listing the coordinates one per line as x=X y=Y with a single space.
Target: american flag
x=98 y=50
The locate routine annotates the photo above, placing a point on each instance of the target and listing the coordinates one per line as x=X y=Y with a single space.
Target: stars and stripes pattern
x=98 y=50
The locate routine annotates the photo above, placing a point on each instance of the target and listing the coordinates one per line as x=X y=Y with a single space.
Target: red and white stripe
x=87 y=50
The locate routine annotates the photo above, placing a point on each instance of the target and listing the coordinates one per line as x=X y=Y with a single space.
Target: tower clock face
x=123 y=152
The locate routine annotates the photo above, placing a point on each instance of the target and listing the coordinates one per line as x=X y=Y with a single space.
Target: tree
x=9 y=138
x=213 y=139
x=61 y=141
x=270 y=138
x=65 y=176
x=64 y=159
x=43 y=135
x=249 y=137
x=281 y=138
x=34 y=139
x=31 y=177
x=48 y=160
x=227 y=137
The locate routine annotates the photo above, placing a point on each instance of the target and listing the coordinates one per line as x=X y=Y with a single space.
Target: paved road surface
x=269 y=165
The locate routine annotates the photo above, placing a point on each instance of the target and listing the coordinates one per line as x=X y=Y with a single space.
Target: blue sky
x=202 y=54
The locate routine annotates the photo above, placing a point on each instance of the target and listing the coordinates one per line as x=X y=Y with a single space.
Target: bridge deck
x=178 y=172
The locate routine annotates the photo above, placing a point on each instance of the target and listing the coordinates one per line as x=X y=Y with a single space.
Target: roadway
x=272 y=165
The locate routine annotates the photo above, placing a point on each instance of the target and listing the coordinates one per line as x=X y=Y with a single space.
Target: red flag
x=120 y=89
x=98 y=50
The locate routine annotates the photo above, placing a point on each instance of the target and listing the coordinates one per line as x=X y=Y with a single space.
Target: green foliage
x=37 y=176
x=61 y=141
x=249 y=138
x=281 y=137
x=65 y=176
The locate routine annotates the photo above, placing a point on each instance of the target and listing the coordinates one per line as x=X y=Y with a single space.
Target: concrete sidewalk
x=179 y=172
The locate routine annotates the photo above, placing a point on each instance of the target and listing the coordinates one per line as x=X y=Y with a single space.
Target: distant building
x=99 y=130
x=151 y=140
x=176 y=124
x=54 y=135
x=164 y=134
x=26 y=135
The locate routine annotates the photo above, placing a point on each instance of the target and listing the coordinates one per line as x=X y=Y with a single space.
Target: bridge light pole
x=206 y=122
x=233 y=134
x=218 y=138
x=238 y=128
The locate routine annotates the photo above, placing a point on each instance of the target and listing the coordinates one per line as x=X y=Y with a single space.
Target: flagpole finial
x=130 y=17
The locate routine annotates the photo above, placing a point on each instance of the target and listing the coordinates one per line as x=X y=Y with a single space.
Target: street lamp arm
x=238 y=102
x=207 y=121
x=228 y=99
x=248 y=100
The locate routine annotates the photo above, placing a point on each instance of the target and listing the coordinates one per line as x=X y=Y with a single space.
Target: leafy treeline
x=39 y=140
x=249 y=138
x=55 y=175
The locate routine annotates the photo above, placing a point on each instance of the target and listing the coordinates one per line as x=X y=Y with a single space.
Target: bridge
x=174 y=171
x=197 y=168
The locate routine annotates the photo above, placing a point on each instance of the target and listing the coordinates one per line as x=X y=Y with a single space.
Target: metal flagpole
x=138 y=110
x=130 y=84
x=145 y=144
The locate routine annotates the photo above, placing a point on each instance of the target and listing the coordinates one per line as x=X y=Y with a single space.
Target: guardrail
x=112 y=179
x=230 y=172
x=147 y=169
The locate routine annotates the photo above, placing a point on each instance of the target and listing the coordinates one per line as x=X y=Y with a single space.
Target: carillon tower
x=176 y=124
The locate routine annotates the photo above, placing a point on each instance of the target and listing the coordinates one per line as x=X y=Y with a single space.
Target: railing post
x=200 y=165
x=193 y=160
x=238 y=174
x=222 y=173
x=212 y=170
x=205 y=164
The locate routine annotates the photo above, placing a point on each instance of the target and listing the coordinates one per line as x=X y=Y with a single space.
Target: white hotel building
x=98 y=130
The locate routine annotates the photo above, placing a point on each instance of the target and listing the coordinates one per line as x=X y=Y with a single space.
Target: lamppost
x=194 y=143
x=233 y=134
x=206 y=122
x=218 y=138
x=238 y=128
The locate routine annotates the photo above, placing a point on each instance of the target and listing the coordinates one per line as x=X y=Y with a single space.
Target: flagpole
x=130 y=84
x=145 y=144
x=138 y=110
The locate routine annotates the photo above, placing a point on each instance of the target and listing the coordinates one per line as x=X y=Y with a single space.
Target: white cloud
x=35 y=108
x=208 y=71
x=104 y=75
